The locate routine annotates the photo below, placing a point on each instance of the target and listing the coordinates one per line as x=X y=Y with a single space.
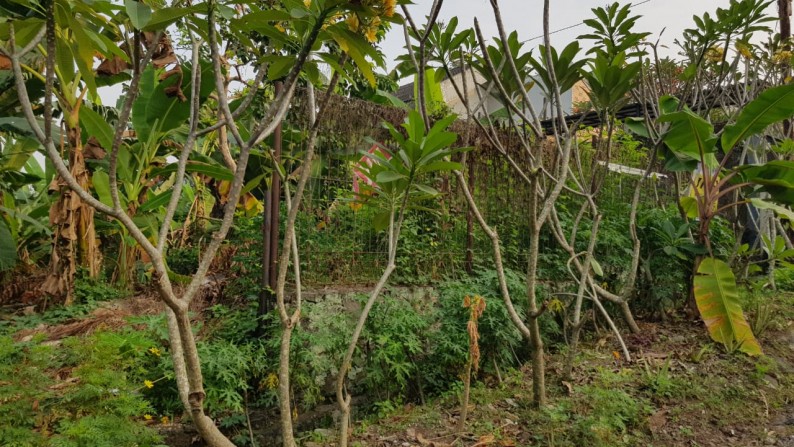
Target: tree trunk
x=285 y=406
x=196 y=395
x=577 y=312
x=74 y=237
x=535 y=339
x=692 y=306
x=344 y=399
x=469 y=263
x=178 y=357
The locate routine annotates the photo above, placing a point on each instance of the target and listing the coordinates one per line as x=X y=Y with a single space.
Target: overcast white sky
x=525 y=16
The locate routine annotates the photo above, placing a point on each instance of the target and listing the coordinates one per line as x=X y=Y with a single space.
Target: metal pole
x=270 y=230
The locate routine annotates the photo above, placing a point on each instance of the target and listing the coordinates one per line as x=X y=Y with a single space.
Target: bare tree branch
x=187 y=148
x=535 y=122
x=124 y=116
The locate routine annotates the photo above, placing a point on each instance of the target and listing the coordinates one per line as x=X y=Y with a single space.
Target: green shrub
x=611 y=418
x=784 y=278
x=228 y=368
x=394 y=345
x=317 y=347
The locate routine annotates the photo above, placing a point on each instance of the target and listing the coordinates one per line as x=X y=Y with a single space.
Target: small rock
x=771 y=381
x=324 y=432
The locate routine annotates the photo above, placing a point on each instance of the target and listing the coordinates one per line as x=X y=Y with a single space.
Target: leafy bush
x=228 y=368
x=395 y=345
x=317 y=347
x=500 y=342
x=667 y=259
x=183 y=260
x=88 y=290
x=784 y=278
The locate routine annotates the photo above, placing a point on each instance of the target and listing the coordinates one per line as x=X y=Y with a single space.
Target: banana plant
x=82 y=32
x=691 y=140
x=144 y=175
x=24 y=203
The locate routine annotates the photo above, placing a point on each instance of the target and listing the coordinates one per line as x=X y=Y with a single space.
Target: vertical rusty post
x=469 y=263
x=265 y=294
x=784 y=12
x=270 y=231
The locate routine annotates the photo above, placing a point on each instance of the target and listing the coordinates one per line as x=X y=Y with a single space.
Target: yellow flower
x=781 y=57
x=352 y=22
x=147 y=417
x=155 y=351
x=714 y=54
x=307 y=3
x=164 y=419
x=271 y=381
x=389 y=6
x=281 y=28
x=556 y=306
x=744 y=50
x=148 y=384
x=371 y=34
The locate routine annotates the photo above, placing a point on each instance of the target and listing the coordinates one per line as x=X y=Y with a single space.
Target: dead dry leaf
x=657 y=421
x=65 y=383
x=485 y=440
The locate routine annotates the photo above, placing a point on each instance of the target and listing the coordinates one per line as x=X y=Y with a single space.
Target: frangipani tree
x=69 y=33
x=399 y=180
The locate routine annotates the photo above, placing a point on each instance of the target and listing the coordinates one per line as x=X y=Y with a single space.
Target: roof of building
x=406 y=92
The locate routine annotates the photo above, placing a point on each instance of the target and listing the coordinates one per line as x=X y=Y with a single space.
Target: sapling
x=396 y=184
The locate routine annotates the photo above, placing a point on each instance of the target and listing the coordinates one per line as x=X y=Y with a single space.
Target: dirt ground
x=680 y=389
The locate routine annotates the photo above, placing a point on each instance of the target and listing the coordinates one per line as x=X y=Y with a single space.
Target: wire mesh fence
x=340 y=245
